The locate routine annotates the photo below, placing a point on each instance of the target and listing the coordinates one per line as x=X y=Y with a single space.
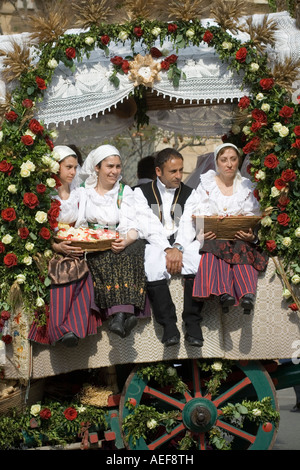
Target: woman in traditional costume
x=72 y=312
x=118 y=273
x=229 y=268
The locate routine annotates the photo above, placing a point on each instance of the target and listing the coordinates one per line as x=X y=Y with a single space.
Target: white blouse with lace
x=71 y=208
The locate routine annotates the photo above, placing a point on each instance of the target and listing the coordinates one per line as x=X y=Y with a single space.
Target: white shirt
x=70 y=208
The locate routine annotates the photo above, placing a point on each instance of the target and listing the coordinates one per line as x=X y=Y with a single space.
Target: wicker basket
x=100 y=245
x=225 y=228
x=18 y=400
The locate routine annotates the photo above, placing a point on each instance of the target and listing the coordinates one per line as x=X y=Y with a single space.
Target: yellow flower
x=108 y=287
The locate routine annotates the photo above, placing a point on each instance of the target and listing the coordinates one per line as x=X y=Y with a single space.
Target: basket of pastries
x=226 y=227
x=87 y=238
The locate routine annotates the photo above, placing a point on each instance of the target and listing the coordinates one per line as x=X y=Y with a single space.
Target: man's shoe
x=296 y=408
x=130 y=322
x=117 y=324
x=193 y=341
x=226 y=301
x=70 y=340
x=172 y=340
x=247 y=303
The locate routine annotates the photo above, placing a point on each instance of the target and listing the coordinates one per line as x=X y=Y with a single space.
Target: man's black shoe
x=193 y=341
x=116 y=324
x=70 y=340
x=172 y=340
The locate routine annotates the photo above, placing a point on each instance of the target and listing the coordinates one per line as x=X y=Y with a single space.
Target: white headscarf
x=88 y=173
x=238 y=177
x=64 y=151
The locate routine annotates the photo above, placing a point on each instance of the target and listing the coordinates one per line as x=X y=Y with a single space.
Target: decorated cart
x=226 y=77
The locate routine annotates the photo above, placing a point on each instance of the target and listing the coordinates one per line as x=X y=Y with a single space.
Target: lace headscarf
x=238 y=177
x=88 y=173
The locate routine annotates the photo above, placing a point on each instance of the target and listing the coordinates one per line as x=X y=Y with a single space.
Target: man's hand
x=173 y=260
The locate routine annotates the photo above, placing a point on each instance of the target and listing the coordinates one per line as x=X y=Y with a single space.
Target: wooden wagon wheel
x=200 y=412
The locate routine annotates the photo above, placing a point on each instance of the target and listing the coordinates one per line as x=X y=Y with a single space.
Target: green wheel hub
x=199 y=415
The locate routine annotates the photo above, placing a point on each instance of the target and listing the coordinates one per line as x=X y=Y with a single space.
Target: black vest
x=152 y=194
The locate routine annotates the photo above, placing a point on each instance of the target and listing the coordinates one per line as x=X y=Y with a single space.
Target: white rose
x=53 y=134
x=254 y=67
x=190 y=33
x=46 y=160
x=260 y=175
x=39 y=302
x=41 y=217
x=20 y=278
x=236 y=129
x=286 y=294
x=265 y=107
x=123 y=35
x=277 y=126
x=24 y=172
x=7 y=239
x=171 y=371
x=52 y=64
x=29 y=246
x=275 y=192
x=246 y=130
x=50 y=182
x=260 y=96
x=151 y=424
x=217 y=365
x=54 y=167
x=1 y=136
x=32 y=134
x=35 y=409
x=48 y=253
x=283 y=131
x=295 y=279
x=55 y=155
x=27 y=260
x=156 y=31
x=297 y=232
x=266 y=221
x=29 y=165
x=227 y=45
x=287 y=241
x=256 y=412
x=12 y=188
x=89 y=40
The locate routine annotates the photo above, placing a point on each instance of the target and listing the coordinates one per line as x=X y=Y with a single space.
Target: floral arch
x=269 y=135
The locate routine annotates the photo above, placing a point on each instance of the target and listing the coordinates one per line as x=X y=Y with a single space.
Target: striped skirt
x=216 y=277
x=72 y=309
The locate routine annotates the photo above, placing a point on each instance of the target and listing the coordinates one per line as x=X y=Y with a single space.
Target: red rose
x=5 y=315
x=207 y=37
x=296 y=144
x=40 y=83
x=293 y=307
x=259 y=115
x=288 y=175
x=244 y=102
x=27 y=103
x=172 y=59
x=6 y=167
x=256 y=194
x=7 y=339
x=138 y=31
x=241 y=55
x=23 y=233
x=252 y=145
x=271 y=161
x=286 y=112
x=30 y=200
x=49 y=143
x=8 y=214
x=35 y=126
x=271 y=245
x=155 y=52
x=45 y=413
x=10 y=260
x=255 y=126
x=283 y=200
x=283 y=219
x=297 y=131
x=165 y=65
x=71 y=53
x=266 y=83
x=125 y=66
x=279 y=184
x=2 y=248
x=11 y=116
x=105 y=39
x=41 y=188
x=45 y=233
x=117 y=60
x=70 y=413
x=172 y=28
x=27 y=140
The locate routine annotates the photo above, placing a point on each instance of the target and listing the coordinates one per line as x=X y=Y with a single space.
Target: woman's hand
x=121 y=243
x=245 y=236
x=209 y=236
x=66 y=249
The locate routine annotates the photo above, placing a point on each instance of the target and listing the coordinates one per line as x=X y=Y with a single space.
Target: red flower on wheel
x=70 y=413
